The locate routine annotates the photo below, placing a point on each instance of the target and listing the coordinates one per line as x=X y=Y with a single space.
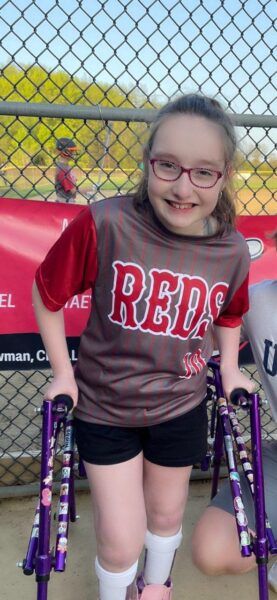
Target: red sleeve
x=66 y=180
x=70 y=266
x=232 y=314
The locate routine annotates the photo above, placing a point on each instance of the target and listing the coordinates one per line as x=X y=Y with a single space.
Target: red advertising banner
x=262 y=249
x=28 y=228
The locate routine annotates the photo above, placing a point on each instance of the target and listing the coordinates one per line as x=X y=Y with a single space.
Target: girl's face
x=192 y=142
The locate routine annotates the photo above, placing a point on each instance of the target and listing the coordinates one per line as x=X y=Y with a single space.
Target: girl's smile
x=180 y=206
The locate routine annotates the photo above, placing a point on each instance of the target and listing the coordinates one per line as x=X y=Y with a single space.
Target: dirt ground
x=78 y=582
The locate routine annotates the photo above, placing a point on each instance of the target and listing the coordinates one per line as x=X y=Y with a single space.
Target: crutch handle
x=66 y=400
x=239 y=397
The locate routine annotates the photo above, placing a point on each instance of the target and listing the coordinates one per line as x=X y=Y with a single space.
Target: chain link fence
x=96 y=72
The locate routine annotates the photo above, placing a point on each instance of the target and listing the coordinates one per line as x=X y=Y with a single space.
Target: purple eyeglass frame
x=183 y=170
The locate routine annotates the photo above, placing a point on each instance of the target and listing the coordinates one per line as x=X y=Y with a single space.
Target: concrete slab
x=79 y=582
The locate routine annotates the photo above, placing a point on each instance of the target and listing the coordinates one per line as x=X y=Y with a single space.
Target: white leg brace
x=113 y=586
x=160 y=553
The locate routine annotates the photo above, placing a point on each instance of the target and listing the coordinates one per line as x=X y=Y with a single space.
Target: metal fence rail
x=97 y=72
x=146 y=115
x=110 y=144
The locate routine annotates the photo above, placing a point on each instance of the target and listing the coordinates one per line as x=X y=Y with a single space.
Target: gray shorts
x=224 y=499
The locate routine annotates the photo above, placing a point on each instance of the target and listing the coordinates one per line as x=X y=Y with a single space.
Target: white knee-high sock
x=113 y=586
x=160 y=553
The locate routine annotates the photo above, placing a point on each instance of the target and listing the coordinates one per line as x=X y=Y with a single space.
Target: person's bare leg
x=119 y=512
x=165 y=491
x=215 y=544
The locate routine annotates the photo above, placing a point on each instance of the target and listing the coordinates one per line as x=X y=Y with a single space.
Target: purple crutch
x=40 y=557
x=227 y=430
x=223 y=438
x=243 y=454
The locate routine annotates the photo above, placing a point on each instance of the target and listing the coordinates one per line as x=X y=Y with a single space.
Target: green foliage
x=29 y=140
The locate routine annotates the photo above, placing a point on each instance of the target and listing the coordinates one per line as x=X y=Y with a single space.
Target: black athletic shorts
x=179 y=442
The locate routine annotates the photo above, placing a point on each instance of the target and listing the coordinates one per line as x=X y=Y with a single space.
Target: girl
x=165 y=265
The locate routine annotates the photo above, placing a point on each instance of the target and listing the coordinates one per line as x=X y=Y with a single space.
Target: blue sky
x=223 y=47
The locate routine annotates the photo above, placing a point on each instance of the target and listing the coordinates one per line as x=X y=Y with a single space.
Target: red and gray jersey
x=155 y=295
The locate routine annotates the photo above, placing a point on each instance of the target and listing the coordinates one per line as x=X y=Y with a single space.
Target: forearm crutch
x=40 y=557
x=264 y=539
x=227 y=425
x=243 y=454
x=223 y=439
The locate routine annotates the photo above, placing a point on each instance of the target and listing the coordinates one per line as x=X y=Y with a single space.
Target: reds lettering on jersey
x=176 y=305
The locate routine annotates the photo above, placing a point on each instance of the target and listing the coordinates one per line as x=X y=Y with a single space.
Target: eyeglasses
x=198 y=176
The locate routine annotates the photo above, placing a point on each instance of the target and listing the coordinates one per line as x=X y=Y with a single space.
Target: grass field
x=256 y=194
